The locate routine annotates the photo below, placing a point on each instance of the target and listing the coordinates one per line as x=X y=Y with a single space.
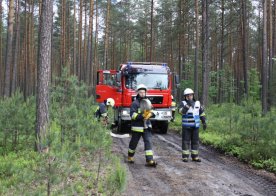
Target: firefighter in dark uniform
x=141 y=126
x=173 y=107
x=192 y=113
x=102 y=110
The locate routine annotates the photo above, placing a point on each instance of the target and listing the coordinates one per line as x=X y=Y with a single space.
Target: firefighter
x=102 y=110
x=141 y=125
x=192 y=112
x=173 y=107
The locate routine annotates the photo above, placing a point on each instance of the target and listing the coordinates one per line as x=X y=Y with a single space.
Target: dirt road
x=217 y=174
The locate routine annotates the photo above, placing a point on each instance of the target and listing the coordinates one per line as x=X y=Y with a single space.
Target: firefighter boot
x=151 y=163
x=185 y=159
x=196 y=159
x=130 y=159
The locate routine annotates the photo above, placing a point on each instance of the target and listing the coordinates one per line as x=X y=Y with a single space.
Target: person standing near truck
x=192 y=112
x=141 y=126
x=102 y=110
x=173 y=107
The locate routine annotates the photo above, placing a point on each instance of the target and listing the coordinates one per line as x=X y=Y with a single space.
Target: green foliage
x=17 y=120
x=71 y=107
x=116 y=181
x=254 y=84
x=243 y=132
x=78 y=161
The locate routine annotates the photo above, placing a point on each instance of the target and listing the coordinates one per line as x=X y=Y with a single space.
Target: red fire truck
x=121 y=84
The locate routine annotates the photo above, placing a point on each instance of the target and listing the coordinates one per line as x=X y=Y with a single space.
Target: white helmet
x=188 y=91
x=110 y=102
x=141 y=86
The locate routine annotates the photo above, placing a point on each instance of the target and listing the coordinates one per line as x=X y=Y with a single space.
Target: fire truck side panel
x=107 y=87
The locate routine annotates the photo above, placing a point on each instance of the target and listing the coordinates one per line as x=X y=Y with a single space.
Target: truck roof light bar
x=146 y=63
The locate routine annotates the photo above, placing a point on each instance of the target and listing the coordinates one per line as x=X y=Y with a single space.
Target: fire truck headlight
x=125 y=112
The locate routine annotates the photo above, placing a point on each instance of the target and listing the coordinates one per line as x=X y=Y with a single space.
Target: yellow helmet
x=110 y=102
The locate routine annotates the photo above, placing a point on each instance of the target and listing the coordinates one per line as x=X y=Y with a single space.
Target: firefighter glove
x=145 y=114
x=204 y=126
x=148 y=116
x=189 y=103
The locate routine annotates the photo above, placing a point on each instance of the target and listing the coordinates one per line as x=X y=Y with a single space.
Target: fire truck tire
x=122 y=126
x=163 y=127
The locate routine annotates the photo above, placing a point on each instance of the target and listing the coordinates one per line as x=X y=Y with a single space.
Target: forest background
x=224 y=50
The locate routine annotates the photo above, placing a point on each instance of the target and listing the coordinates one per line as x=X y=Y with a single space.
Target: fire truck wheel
x=122 y=127
x=163 y=127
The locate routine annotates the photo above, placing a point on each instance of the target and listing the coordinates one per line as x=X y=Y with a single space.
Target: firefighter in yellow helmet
x=140 y=112
x=173 y=107
x=192 y=113
x=102 y=110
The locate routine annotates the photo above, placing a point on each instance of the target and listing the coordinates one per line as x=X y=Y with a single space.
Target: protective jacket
x=101 y=110
x=138 y=123
x=191 y=115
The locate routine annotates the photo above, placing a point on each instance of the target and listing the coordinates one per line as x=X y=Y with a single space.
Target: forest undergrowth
x=77 y=157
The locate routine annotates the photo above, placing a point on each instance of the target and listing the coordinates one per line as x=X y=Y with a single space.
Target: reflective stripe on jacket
x=138 y=123
x=191 y=118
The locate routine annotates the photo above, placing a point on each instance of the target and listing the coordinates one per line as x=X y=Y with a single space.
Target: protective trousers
x=147 y=143
x=190 y=137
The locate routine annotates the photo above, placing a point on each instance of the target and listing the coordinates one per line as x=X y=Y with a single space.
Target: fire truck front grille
x=153 y=99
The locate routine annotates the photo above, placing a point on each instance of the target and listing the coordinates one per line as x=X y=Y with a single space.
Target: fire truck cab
x=121 y=84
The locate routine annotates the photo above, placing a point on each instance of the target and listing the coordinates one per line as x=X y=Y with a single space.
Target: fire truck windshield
x=152 y=81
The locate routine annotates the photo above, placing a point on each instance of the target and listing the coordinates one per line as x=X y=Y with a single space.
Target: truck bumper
x=161 y=114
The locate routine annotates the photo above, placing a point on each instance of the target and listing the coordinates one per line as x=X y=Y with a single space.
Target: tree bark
x=205 y=55
x=244 y=47
x=196 y=50
x=7 y=88
x=264 y=63
x=151 y=30
x=74 y=67
x=16 y=49
x=44 y=68
x=2 y=66
x=221 y=63
x=26 y=66
x=90 y=44
x=270 y=55
x=106 y=37
x=84 y=59
x=80 y=43
x=96 y=63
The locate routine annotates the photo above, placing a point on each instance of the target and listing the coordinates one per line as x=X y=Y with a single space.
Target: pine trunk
x=196 y=51
x=2 y=66
x=244 y=47
x=44 y=68
x=90 y=44
x=80 y=43
x=205 y=48
x=9 y=53
x=221 y=65
x=151 y=31
x=74 y=67
x=106 y=37
x=16 y=49
x=264 y=63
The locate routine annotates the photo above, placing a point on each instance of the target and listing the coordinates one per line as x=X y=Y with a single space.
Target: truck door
x=108 y=87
